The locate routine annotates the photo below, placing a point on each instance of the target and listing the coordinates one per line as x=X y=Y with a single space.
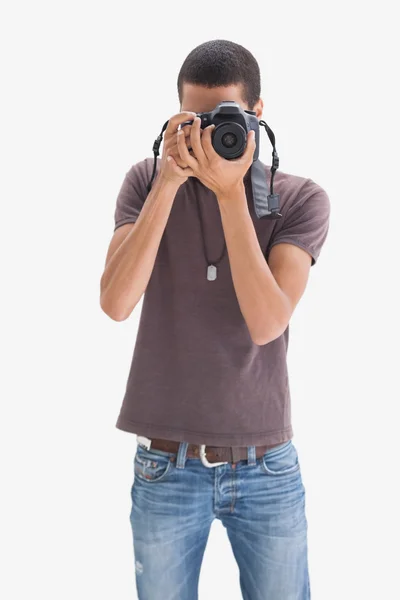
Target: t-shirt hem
x=124 y=221
x=300 y=244
x=212 y=439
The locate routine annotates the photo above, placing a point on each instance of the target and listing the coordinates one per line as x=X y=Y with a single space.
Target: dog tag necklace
x=212 y=265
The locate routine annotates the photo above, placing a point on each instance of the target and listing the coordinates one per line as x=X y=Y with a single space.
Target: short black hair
x=221 y=63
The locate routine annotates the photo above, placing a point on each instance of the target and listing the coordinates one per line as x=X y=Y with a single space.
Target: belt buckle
x=202 y=452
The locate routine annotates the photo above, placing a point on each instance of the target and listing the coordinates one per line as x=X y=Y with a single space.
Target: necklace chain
x=209 y=262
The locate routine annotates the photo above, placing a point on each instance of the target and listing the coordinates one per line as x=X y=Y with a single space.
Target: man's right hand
x=179 y=173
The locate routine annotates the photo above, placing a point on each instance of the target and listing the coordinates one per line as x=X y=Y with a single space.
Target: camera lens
x=229 y=140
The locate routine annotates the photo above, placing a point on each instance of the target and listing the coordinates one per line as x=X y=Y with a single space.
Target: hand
x=177 y=170
x=215 y=172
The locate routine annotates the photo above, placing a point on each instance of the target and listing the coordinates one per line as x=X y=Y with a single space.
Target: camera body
x=232 y=124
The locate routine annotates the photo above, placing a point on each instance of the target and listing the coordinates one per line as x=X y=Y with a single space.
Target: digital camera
x=232 y=124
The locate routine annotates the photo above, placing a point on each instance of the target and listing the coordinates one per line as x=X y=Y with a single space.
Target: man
x=209 y=365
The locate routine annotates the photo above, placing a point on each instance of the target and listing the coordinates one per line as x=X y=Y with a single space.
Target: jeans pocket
x=282 y=461
x=150 y=466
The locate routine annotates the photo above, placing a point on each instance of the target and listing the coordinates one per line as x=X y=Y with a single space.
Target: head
x=219 y=70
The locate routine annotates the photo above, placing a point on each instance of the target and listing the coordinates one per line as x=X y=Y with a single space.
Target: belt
x=213 y=455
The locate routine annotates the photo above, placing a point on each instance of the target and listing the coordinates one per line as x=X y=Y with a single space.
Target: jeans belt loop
x=251 y=456
x=181 y=455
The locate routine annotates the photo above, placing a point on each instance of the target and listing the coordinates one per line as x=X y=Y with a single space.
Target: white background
x=86 y=88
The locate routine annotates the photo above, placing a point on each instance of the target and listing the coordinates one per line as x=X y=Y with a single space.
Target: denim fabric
x=260 y=502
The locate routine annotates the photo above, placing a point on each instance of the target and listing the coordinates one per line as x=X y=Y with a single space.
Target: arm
x=140 y=220
x=132 y=252
x=267 y=295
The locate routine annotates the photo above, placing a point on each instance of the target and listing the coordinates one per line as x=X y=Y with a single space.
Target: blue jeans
x=260 y=502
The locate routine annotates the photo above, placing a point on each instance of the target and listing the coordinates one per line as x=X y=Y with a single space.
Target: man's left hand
x=215 y=172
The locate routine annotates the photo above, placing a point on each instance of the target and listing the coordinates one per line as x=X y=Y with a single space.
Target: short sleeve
x=132 y=194
x=306 y=222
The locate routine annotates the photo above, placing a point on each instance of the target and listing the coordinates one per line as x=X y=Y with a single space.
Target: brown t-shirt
x=196 y=374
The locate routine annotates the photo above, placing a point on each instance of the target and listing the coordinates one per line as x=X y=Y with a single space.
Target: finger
x=179 y=161
x=195 y=140
x=183 y=150
x=177 y=119
x=174 y=152
x=206 y=141
x=187 y=130
x=177 y=169
x=172 y=143
x=248 y=154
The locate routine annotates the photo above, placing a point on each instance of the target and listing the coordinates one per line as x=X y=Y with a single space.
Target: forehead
x=198 y=98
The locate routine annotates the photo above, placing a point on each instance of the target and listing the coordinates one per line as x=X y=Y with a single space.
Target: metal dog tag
x=211 y=272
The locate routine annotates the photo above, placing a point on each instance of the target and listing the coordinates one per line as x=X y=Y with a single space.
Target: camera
x=232 y=124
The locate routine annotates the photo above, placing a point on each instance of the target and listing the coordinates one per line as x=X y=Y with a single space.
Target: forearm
x=264 y=306
x=128 y=271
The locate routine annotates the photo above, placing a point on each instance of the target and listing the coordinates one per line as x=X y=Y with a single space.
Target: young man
x=209 y=365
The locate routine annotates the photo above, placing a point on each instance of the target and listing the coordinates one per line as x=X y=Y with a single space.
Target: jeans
x=260 y=502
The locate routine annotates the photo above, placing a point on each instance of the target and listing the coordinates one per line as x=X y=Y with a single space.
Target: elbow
x=269 y=329
x=265 y=335
x=261 y=341
x=112 y=310
x=111 y=305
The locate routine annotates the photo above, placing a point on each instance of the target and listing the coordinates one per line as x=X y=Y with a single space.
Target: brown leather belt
x=213 y=453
